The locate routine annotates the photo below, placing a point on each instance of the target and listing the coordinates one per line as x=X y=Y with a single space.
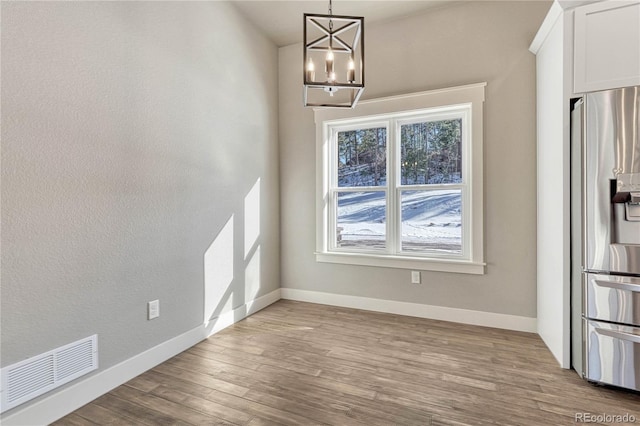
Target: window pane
x=362 y=157
x=432 y=220
x=361 y=220
x=431 y=152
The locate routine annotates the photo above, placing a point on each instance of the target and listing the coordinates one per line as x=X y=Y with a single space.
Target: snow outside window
x=403 y=187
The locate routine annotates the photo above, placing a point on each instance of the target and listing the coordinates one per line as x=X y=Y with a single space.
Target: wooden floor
x=308 y=364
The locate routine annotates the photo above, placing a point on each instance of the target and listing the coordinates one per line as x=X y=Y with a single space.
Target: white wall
x=454 y=45
x=553 y=194
x=139 y=162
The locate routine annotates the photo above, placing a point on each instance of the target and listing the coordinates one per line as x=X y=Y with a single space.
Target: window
x=400 y=182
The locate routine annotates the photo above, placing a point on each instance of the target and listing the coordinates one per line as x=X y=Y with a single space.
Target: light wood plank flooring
x=308 y=364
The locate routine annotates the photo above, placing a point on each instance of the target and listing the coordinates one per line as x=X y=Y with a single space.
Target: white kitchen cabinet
x=606 y=45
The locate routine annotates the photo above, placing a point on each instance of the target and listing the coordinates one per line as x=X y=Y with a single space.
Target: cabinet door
x=607 y=45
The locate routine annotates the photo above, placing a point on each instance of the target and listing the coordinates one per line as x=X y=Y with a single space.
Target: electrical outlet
x=415 y=277
x=153 y=309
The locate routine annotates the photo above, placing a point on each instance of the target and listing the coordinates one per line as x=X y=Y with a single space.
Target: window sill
x=403 y=262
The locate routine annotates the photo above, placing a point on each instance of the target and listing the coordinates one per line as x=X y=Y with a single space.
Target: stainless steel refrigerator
x=605 y=240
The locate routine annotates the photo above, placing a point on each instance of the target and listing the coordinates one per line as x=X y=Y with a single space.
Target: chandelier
x=333 y=60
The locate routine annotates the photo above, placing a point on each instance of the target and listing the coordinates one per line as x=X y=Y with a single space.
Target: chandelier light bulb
x=311 y=71
x=351 y=72
x=329 y=63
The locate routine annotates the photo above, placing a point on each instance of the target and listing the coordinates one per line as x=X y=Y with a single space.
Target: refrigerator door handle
x=619 y=335
x=618 y=285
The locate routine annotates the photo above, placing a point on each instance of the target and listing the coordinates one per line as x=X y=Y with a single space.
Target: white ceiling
x=281 y=20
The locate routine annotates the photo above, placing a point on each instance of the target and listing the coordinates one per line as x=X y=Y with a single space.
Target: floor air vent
x=32 y=377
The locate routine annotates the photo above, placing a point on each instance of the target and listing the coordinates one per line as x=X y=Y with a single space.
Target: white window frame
x=464 y=102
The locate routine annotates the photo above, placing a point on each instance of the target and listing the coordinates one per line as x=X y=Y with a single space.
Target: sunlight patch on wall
x=251 y=218
x=218 y=271
x=252 y=277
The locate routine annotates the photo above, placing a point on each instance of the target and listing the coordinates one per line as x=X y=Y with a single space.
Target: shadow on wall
x=222 y=288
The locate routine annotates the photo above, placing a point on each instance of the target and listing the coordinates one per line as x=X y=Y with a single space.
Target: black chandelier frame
x=332 y=40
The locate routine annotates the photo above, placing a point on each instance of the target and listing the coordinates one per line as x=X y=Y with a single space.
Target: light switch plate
x=415 y=277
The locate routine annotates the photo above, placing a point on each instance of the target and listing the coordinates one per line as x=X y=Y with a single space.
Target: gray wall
x=455 y=45
x=131 y=133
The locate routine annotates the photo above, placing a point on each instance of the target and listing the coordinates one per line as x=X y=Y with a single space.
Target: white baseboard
x=464 y=316
x=249 y=308
x=61 y=403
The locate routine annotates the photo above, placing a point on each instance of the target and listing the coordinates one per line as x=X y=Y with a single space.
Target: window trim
x=406 y=108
